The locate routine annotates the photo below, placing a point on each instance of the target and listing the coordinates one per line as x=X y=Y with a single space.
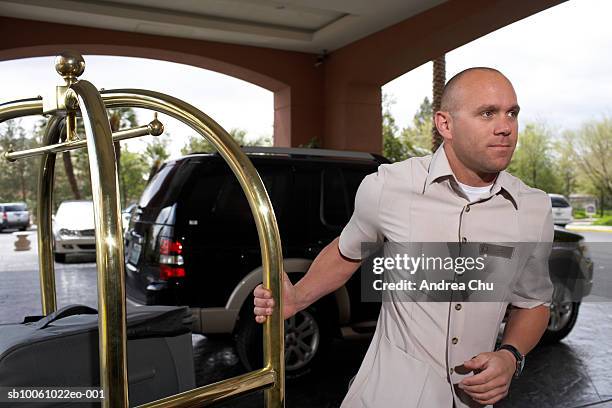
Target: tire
x=23 y=229
x=59 y=258
x=308 y=336
x=563 y=316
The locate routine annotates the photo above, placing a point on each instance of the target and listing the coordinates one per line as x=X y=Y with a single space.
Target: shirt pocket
x=493 y=282
x=396 y=379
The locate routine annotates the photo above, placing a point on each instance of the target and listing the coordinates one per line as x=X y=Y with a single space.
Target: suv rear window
x=339 y=187
x=334 y=202
x=15 y=207
x=213 y=201
x=155 y=192
x=559 y=202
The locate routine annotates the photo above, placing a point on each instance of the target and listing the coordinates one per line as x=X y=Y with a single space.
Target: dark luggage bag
x=61 y=350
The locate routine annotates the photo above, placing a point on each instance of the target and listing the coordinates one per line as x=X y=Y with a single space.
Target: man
x=440 y=354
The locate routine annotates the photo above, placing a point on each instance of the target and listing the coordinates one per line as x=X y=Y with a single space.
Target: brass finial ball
x=70 y=65
x=156 y=128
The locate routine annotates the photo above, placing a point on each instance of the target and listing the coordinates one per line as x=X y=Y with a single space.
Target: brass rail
x=84 y=96
x=259 y=202
x=20 y=108
x=154 y=128
x=212 y=393
x=44 y=211
x=109 y=246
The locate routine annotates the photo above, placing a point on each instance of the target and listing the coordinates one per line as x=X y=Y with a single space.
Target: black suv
x=192 y=241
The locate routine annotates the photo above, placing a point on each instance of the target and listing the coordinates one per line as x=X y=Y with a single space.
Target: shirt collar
x=439 y=168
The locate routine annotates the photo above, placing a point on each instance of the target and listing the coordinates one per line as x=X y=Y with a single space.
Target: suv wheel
x=59 y=258
x=307 y=337
x=302 y=340
x=563 y=316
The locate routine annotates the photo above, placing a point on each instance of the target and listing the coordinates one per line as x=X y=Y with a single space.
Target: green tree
x=411 y=141
x=533 y=161
x=198 y=144
x=132 y=177
x=17 y=179
x=419 y=136
x=156 y=153
x=424 y=115
x=76 y=162
x=394 y=147
x=566 y=166
x=592 y=145
x=120 y=118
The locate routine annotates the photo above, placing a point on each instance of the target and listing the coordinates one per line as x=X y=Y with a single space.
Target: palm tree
x=118 y=118
x=156 y=153
x=439 y=79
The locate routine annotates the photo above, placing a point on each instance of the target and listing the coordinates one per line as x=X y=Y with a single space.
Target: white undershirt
x=474 y=193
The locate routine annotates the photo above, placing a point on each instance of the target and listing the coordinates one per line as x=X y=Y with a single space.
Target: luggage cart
x=78 y=97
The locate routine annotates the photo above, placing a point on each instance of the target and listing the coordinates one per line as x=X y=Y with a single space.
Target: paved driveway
x=574 y=373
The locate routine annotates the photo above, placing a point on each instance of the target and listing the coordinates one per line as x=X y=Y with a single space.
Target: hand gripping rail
x=81 y=96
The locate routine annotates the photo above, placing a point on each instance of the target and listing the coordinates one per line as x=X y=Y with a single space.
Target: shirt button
x=455 y=340
x=451 y=370
x=464 y=239
x=467 y=208
x=458 y=306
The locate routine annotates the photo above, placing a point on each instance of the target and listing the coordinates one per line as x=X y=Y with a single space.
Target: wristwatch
x=520 y=358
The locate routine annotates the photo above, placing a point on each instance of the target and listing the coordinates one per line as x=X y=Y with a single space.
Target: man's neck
x=465 y=175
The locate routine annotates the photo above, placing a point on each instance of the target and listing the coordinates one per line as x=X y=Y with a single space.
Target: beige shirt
x=417 y=345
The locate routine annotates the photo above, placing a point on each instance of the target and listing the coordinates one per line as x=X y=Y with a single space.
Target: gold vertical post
x=44 y=212
x=109 y=246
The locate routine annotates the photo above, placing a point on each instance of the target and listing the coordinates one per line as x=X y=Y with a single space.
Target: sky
x=231 y=102
x=559 y=60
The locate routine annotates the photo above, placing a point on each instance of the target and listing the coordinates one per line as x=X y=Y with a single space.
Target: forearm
x=329 y=271
x=525 y=327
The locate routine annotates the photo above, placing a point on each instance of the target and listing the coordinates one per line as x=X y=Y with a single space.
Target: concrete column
x=298 y=115
x=353 y=116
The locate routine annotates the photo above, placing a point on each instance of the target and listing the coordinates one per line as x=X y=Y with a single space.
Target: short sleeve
x=534 y=287
x=364 y=223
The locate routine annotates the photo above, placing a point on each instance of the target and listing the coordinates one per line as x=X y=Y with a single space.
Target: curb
x=589 y=228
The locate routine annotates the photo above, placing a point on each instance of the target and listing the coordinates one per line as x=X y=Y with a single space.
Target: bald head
x=478 y=120
x=451 y=95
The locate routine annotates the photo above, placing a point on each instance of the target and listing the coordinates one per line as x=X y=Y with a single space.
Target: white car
x=73 y=229
x=561 y=210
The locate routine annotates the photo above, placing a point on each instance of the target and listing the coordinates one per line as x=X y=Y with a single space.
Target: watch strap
x=520 y=358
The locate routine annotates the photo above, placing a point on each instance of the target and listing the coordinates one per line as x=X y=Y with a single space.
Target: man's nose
x=503 y=128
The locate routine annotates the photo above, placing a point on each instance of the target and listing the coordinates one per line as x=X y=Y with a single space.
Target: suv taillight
x=4 y=216
x=170 y=259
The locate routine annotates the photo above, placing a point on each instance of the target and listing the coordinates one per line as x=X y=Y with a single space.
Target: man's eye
x=487 y=114
x=513 y=114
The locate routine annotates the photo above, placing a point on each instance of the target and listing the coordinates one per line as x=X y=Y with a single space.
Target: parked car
x=562 y=210
x=192 y=241
x=73 y=229
x=14 y=215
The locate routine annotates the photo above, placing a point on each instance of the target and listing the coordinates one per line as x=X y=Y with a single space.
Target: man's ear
x=443 y=123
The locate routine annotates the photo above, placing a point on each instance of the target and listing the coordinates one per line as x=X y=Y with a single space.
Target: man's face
x=483 y=122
